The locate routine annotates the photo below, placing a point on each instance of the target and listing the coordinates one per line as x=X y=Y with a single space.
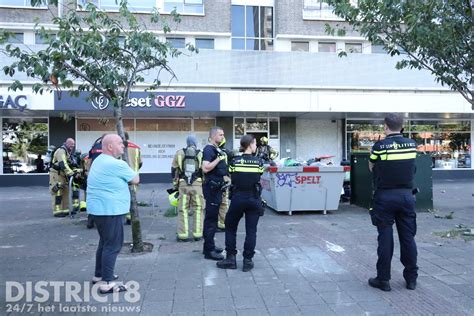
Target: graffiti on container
x=265 y=184
x=286 y=179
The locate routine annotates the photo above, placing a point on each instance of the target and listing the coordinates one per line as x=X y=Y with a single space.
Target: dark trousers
x=110 y=230
x=242 y=203
x=213 y=201
x=395 y=206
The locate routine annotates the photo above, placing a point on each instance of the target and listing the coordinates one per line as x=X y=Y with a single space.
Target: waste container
x=362 y=181
x=303 y=188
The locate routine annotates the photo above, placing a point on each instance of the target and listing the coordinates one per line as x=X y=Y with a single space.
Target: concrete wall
x=288 y=134
x=227 y=123
x=318 y=137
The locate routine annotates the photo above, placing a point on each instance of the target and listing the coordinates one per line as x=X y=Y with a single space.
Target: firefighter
x=225 y=194
x=135 y=162
x=60 y=173
x=245 y=173
x=266 y=152
x=187 y=177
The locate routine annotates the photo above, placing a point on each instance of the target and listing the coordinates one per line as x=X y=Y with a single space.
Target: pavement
x=306 y=264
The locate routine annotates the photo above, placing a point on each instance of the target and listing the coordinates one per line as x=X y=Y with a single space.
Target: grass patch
x=171 y=212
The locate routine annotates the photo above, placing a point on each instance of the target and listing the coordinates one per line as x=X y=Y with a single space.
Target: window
x=16 y=38
x=19 y=3
x=326 y=47
x=319 y=9
x=185 y=6
x=176 y=42
x=39 y=39
x=448 y=142
x=252 y=27
x=25 y=144
x=112 y=5
x=378 y=49
x=205 y=43
x=300 y=46
x=354 y=48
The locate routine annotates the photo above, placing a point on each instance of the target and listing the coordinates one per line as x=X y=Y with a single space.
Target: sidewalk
x=306 y=264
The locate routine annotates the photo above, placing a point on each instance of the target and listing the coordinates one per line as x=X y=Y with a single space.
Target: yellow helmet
x=173 y=198
x=264 y=140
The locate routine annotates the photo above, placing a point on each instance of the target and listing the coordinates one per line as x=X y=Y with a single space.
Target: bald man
x=59 y=175
x=108 y=200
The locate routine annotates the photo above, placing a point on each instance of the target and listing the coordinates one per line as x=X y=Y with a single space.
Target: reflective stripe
x=247 y=169
x=185 y=215
x=197 y=217
x=402 y=156
x=374 y=157
x=377 y=152
x=401 y=150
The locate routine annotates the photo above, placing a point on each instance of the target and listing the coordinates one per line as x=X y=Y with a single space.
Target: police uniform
x=212 y=190
x=394 y=202
x=59 y=174
x=135 y=162
x=245 y=173
x=191 y=198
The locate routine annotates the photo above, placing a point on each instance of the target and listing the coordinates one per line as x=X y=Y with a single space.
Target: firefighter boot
x=228 y=263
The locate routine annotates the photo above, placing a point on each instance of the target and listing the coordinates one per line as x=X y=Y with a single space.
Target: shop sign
x=14 y=102
x=143 y=101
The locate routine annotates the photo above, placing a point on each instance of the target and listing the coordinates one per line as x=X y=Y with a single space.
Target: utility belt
x=256 y=190
x=216 y=184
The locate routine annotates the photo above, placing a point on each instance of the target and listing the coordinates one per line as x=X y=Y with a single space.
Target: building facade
x=265 y=67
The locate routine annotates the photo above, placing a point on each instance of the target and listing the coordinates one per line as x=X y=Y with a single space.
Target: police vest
x=394 y=159
x=245 y=172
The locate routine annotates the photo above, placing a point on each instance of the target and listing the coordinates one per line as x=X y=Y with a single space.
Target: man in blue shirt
x=108 y=200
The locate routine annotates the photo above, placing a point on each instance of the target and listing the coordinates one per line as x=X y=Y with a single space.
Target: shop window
x=448 y=142
x=299 y=46
x=326 y=47
x=252 y=27
x=162 y=125
x=257 y=125
x=102 y=125
x=204 y=125
x=239 y=127
x=25 y=143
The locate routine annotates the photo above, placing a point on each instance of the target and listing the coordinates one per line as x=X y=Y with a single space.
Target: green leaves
x=432 y=34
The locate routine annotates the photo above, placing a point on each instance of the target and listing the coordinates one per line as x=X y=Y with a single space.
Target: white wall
x=318 y=137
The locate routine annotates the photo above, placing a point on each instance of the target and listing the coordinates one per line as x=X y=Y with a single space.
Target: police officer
x=392 y=161
x=214 y=167
x=187 y=176
x=135 y=162
x=245 y=173
x=266 y=152
x=59 y=175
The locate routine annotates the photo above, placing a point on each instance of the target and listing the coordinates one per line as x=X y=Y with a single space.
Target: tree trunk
x=136 y=228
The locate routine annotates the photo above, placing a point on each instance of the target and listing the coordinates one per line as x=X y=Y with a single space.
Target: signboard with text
x=143 y=101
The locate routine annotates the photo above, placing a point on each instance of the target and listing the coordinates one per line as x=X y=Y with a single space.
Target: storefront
x=300 y=125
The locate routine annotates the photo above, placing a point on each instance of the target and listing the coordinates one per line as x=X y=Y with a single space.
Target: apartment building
x=265 y=67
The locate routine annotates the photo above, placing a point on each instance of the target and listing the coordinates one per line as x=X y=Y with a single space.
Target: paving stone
x=278 y=301
x=336 y=297
x=250 y=302
x=323 y=310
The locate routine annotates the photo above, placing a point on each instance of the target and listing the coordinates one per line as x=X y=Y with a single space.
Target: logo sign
x=15 y=102
x=100 y=103
x=143 y=101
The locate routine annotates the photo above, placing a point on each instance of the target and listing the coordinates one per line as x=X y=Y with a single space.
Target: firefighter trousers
x=190 y=204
